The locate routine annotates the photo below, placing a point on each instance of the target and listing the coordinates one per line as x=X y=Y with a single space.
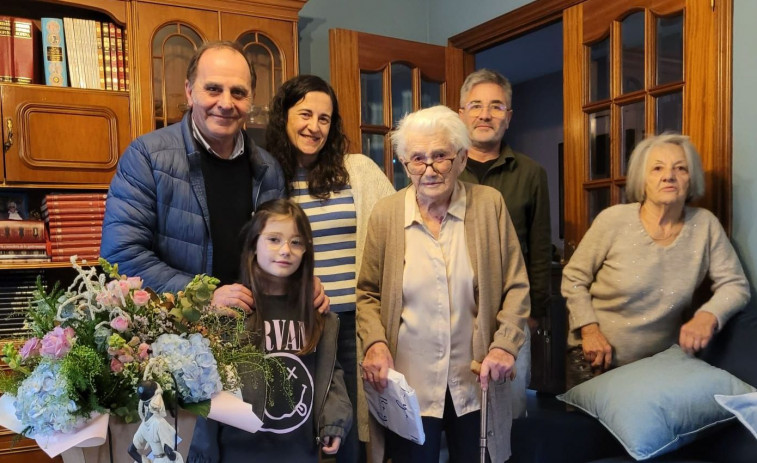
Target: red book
x=126 y=61
x=81 y=205
x=76 y=197
x=120 y=60
x=61 y=233
x=66 y=237
x=113 y=57
x=83 y=243
x=6 y=49
x=22 y=231
x=22 y=246
x=105 y=37
x=79 y=257
x=63 y=222
x=73 y=214
x=80 y=250
x=25 y=67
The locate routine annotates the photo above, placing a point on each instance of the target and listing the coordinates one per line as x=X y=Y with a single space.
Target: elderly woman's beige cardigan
x=501 y=289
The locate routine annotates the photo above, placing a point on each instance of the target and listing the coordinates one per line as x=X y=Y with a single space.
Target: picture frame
x=14 y=205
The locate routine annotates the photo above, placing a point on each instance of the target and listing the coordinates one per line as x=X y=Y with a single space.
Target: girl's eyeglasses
x=275 y=243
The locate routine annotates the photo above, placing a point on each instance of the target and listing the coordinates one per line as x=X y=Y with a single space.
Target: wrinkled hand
x=235 y=295
x=376 y=364
x=498 y=364
x=697 y=332
x=596 y=348
x=321 y=301
x=331 y=444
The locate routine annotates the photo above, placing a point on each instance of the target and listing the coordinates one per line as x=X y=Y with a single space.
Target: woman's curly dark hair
x=328 y=173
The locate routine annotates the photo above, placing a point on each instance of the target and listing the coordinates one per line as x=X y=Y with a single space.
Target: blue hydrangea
x=43 y=403
x=191 y=363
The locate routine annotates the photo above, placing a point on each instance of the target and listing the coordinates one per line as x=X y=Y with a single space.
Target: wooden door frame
x=542 y=12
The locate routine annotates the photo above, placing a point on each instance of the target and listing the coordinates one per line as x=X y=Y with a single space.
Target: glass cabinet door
x=173 y=45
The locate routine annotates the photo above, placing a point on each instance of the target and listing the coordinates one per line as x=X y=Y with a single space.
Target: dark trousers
x=350 y=451
x=462 y=435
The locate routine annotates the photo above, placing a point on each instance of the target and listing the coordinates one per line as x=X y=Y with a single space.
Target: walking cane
x=483 y=439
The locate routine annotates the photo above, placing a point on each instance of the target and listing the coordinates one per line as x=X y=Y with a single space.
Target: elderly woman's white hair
x=430 y=121
x=637 y=166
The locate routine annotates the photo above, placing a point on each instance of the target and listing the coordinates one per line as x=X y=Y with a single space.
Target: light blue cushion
x=658 y=404
x=744 y=406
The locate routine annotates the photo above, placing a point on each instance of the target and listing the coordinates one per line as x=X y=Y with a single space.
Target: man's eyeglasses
x=441 y=165
x=475 y=108
x=275 y=242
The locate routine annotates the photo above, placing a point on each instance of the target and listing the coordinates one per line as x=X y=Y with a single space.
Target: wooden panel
x=64 y=135
x=282 y=33
x=457 y=69
x=149 y=19
x=22 y=451
x=574 y=124
x=376 y=51
x=279 y=9
x=599 y=13
x=345 y=78
x=704 y=97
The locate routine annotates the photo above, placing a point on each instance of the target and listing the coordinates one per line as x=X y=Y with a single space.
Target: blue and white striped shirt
x=334 y=224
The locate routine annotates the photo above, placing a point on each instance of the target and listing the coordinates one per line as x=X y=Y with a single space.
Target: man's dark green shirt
x=523 y=184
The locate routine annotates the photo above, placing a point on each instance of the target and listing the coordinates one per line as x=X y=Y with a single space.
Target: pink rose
x=143 y=351
x=120 y=323
x=31 y=348
x=134 y=282
x=140 y=297
x=116 y=366
x=57 y=342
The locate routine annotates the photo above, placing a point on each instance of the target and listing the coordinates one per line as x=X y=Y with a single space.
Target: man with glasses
x=485 y=107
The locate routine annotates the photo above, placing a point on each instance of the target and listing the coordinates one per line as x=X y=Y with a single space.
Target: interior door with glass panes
x=380 y=79
x=635 y=68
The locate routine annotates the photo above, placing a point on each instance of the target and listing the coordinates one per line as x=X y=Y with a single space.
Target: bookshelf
x=68 y=140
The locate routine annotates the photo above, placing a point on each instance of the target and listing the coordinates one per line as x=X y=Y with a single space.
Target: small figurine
x=155 y=433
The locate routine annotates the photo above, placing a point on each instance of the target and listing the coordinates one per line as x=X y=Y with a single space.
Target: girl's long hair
x=328 y=173
x=300 y=283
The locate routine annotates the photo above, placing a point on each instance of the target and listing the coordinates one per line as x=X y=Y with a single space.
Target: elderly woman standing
x=635 y=271
x=443 y=283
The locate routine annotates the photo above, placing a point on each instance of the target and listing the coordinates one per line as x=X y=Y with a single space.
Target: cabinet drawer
x=63 y=135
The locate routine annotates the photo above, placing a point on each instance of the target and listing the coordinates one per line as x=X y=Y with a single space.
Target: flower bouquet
x=92 y=344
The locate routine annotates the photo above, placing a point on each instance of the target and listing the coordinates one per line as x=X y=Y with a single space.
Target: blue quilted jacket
x=157 y=224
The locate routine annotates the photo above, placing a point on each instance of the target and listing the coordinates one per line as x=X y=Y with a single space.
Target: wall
x=450 y=17
x=745 y=137
x=536 y=129
x=404 y=19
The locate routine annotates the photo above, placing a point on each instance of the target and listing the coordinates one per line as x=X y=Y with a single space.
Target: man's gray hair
x=635 y=180
x=431 y=121
x=486 y=76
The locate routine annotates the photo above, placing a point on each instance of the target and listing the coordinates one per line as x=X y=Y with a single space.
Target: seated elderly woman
x=443 y=283
x=632 y=278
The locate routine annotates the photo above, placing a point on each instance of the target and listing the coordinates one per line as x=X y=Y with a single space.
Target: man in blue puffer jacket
x=181 y=194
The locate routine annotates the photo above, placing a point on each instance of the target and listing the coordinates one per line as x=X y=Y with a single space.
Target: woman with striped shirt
x=337 y=192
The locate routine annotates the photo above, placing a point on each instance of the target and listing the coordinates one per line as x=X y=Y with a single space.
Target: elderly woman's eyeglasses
x=475 y=108
x=440 y=164
x=275 y=243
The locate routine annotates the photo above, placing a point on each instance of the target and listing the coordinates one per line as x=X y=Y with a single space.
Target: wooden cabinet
x=61 y=135
x=70 y=139
x=168 y=34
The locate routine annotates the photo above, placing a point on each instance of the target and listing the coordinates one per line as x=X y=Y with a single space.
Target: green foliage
x=41 y=317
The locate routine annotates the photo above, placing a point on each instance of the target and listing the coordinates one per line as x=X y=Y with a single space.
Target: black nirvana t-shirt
x=288 y=430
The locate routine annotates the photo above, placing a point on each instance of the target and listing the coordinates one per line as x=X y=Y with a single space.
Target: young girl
x=277 y=266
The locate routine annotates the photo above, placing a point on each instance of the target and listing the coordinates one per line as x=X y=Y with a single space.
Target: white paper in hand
x=397 y=407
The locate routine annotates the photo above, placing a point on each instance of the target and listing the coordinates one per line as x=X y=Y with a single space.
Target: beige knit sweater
x=500 y=283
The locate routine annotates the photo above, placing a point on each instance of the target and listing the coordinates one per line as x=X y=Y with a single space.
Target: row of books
x=16 y=291
x=75 y=224
x=81 y=52
x=23 y=241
